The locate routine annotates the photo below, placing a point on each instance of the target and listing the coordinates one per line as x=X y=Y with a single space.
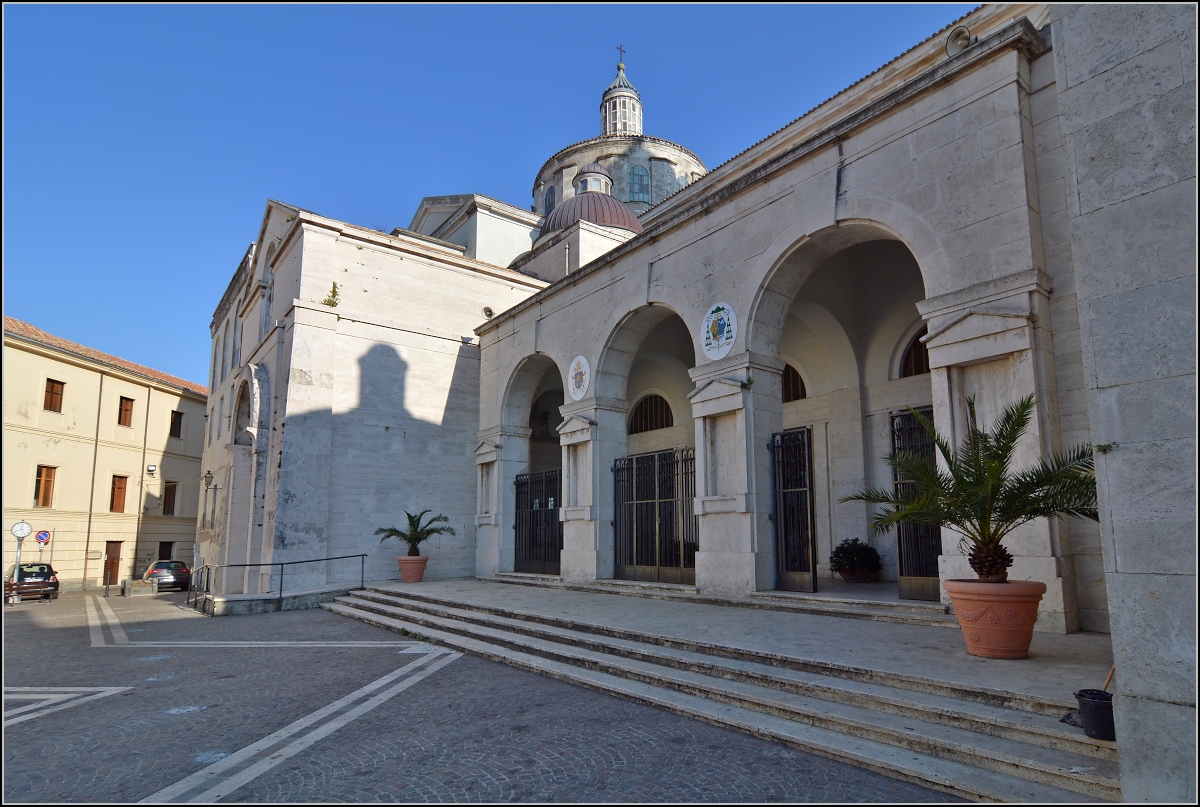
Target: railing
x=201 y=584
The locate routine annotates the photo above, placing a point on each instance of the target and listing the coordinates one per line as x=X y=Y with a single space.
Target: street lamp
x=208 y=480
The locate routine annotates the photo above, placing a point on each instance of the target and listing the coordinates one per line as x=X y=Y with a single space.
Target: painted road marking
x=50 y=699
x=229 y=773
x=94 y=606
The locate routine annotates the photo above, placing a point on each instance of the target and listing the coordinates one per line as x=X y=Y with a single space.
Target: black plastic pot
x=1096 y=712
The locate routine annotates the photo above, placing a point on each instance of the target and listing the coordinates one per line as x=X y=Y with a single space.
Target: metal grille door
x=795 y=535
x=918 y=545
x=656 y=528
x=539 y=532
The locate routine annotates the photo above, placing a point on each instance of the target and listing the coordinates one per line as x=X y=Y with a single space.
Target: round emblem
x=578 y=378
x=719 y=331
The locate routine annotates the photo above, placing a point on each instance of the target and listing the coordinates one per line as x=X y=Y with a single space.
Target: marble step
x=980 y=694
x=928 y=614
x=947 y=775
x=1028 y=727
x=1001 y=754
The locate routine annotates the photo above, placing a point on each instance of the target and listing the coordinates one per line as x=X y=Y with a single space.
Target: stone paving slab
x=1058 y=665
x=472 y=731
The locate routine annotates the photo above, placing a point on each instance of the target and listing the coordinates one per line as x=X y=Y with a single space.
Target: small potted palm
x=412 y=566
x=979 y=495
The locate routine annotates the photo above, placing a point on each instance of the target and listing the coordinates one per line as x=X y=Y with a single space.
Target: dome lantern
x=621 y=107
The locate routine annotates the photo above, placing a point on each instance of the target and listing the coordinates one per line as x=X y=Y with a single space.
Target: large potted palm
x=412 y=566
x=978 y=494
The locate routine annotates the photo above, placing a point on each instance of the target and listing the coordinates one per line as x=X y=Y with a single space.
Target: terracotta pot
x=996 y=618
x=859 y=576
x=412 y=569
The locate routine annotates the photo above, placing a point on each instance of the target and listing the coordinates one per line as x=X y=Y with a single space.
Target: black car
x=169 y=573
x=37 y=573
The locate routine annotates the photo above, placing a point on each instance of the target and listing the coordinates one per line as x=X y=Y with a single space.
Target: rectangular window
x=169 y=498
x=116 y=501
x=177 y=424
x=166 y=549
x=43 y=487
x=222 y=417
x=54 y=393
x=125 y=412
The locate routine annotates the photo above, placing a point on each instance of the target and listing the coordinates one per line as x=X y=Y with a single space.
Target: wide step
x=984 y=739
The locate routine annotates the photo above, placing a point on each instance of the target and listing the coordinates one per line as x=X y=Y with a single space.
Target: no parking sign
x=43 y=537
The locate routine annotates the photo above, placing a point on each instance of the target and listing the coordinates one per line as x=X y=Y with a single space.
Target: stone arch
x=522 y=384
x=623 y=338
x=243 y=423
x=793 y=262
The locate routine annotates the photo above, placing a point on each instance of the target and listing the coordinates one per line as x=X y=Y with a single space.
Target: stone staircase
x=976 y=743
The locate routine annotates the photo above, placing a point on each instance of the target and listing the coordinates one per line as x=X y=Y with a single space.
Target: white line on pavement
x=93 y=619
x=114 y=624
x=220 y=779
x=53 y=694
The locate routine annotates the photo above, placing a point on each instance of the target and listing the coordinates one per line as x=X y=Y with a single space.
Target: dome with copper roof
x=598 y=208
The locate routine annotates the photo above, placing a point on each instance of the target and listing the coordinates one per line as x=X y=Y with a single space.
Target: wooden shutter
x=169 y=499
x=43 y=487
x=125 y=413
x=54 y=395
x=177 y=424
x=116 y=502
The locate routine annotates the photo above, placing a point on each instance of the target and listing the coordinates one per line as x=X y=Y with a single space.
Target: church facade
x=677 y=382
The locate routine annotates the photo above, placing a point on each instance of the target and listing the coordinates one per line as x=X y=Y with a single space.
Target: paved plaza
x=128 y=700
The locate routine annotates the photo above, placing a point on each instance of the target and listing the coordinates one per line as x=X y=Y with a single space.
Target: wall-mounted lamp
x=150 y=469
x=208 y=480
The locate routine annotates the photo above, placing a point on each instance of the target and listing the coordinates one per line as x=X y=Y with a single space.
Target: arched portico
x=518 y=473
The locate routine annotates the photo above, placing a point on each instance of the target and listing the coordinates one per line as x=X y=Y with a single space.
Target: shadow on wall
x=408 y=445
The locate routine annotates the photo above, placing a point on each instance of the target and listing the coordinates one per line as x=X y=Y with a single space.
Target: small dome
x=621 y=85
x=598 y=208
x=594 y=168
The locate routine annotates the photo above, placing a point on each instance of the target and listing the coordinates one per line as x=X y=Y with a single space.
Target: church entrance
x=795 y=535
x=656 y=531
x=917 y=545
x=539 y=536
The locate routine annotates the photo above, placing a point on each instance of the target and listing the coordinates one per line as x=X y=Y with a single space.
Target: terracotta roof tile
x=23 y=330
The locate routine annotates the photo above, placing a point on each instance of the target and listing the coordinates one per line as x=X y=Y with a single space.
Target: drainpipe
x=137 y=537
x=92 y=495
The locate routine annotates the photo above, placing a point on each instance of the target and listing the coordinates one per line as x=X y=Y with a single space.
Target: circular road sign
x=43 y=537
x=21 y=530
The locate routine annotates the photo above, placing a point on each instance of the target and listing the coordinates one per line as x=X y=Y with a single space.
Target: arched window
x=793 y=385
x=650 y=413
x=639 y=184
x=916 y=358
x=549 y=203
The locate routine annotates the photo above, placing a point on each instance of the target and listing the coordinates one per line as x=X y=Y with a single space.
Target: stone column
x=991 y=341
x=737 y=405
x=592 y=437
x=502 y=453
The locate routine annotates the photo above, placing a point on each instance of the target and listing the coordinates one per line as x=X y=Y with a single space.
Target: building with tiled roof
x=101 y=458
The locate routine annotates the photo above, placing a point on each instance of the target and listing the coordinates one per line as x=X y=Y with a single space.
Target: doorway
x=112 y=562
x=795 y=533
x=656 y=529
x=539 y=532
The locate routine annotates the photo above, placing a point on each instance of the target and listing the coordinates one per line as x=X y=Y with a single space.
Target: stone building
x=101 y=453
x=685 y=386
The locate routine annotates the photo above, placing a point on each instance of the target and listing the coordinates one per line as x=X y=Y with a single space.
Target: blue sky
x=142 y=142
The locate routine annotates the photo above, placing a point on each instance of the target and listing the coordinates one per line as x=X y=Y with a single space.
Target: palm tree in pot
x=412 y=567
x=979 y=495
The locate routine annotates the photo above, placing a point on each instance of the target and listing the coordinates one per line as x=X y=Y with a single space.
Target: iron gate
x=656 y=531
x=918 y=545
x=539 y=532
x=795 y=534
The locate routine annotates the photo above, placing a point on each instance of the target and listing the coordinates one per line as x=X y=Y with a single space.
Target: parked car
x=36 y=573
x=169 y=573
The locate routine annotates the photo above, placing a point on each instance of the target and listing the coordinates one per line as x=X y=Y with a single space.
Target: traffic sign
x=43 y=537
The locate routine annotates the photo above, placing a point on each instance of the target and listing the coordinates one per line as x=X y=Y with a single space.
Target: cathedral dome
x=598 y=208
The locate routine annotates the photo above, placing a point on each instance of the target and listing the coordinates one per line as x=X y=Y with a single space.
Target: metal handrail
x=204 y=573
